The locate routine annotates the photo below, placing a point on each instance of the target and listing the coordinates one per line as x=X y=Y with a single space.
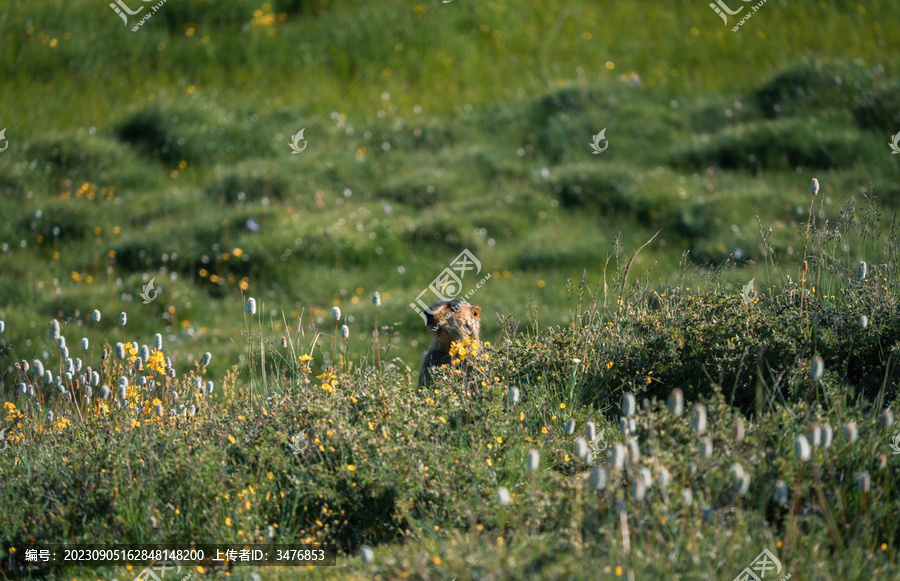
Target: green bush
x=776 y=145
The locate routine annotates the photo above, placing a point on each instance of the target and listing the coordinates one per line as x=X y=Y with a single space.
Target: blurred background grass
x=432 y=128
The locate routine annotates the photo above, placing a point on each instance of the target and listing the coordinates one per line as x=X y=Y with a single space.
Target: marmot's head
x=454 y=320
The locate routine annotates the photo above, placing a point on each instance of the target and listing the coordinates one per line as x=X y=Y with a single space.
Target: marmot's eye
x=434 y=328
x=455 y=308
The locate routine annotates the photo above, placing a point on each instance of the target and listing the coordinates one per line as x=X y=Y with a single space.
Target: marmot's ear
x=476 y=311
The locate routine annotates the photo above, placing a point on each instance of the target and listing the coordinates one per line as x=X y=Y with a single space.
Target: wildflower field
x=216 y=220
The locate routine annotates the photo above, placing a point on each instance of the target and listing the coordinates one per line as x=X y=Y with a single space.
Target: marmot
x=449 y=321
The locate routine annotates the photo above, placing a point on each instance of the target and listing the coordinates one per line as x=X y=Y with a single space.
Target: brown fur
x=448 y=321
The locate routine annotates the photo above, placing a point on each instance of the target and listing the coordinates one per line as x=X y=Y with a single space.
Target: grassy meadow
x=753 y=420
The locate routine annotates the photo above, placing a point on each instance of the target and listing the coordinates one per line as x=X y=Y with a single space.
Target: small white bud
x=815 y=436
x=513 y=395
x=736 y=472
x=639 y=488
x=629 y=405
x=801 y=448
x=634 y=452
x=96 y=316
x=816 y=368
x=251 y=306
x=863 y=322
x=580 y=448
x=367 y=554
x=698 y=422
x=617 y=455
x=827 y=436
x=570 y=426
x=336 y=313
x=850 y=432
x=663 y=478
x=534 y=458
x=503 y=497
x=123 y=318
x=590 y=432
x=376 y=299
x=598 y=478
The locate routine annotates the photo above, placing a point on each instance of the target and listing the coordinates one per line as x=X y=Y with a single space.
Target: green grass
x=416 y=475
x=434 y=128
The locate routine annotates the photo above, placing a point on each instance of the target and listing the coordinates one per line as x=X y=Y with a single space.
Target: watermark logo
x=122 y=9
x=895 y=445
x=765 y=566
x=597 y=139
x=722 y=9
x=3 y=439
x=295 y=140
x=161 y=566
x=299 y=443
x=895 y=143
x=146 y=292
x=599 y=445
x=749 y=293
x=448 y=284
x=721 y=12
x=6 y=141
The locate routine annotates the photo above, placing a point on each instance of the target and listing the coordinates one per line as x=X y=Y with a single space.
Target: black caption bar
x=172 y=557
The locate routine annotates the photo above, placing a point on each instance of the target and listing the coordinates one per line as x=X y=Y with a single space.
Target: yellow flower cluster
x=157 y=362
x=88 y=191
x=328 y=380
x=460 y=349
x=12 y=414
